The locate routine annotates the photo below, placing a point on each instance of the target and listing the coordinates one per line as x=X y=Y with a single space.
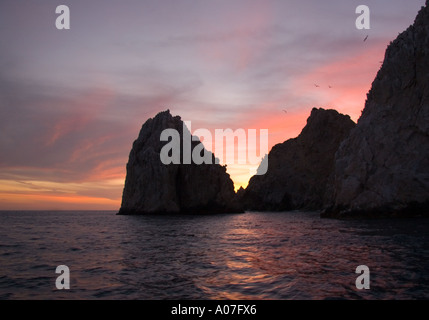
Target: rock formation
x=382 y=168
x=299 y=169
x=152 y=187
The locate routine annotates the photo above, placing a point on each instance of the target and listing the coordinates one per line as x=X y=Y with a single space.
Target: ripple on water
x=248 y=256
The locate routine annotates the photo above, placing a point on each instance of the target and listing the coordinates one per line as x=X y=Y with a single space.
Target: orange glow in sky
x=72 y=103
x=350 y=80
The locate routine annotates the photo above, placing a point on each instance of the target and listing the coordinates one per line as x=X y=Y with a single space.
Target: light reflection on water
x=245 y=256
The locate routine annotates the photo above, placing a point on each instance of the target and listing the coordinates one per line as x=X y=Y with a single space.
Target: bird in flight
x=316 y=85
x=330 y=87
x=365 y=38
x=284 y=111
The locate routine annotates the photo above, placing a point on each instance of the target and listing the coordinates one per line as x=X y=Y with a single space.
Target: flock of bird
x=317 y=86
x=330 y=87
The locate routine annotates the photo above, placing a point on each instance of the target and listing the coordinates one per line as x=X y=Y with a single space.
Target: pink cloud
x=243 y=42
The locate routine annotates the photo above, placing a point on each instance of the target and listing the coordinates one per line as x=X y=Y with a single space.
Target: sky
x=73 y=101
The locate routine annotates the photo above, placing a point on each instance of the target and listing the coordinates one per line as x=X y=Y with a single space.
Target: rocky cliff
x=382 y=168
x=299 y=169
x=152 y=187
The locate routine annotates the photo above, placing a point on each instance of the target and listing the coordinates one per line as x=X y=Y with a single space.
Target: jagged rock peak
x=152 y=187
x=300 y=169
x=382 y=168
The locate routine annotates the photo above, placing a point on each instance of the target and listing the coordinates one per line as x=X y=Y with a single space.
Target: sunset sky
x=73 y=101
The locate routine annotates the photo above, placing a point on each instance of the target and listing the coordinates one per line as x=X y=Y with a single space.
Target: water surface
x=290 y=255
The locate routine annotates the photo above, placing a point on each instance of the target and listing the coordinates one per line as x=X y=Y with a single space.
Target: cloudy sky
x=73 y=101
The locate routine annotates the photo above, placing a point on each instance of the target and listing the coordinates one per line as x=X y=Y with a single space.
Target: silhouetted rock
x=152 y=187
x=299 y=169
x=382 y=168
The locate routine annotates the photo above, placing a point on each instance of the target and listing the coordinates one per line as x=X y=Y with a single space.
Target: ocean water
x=290 y=255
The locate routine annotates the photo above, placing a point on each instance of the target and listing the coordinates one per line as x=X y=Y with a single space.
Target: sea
x=249 y=256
